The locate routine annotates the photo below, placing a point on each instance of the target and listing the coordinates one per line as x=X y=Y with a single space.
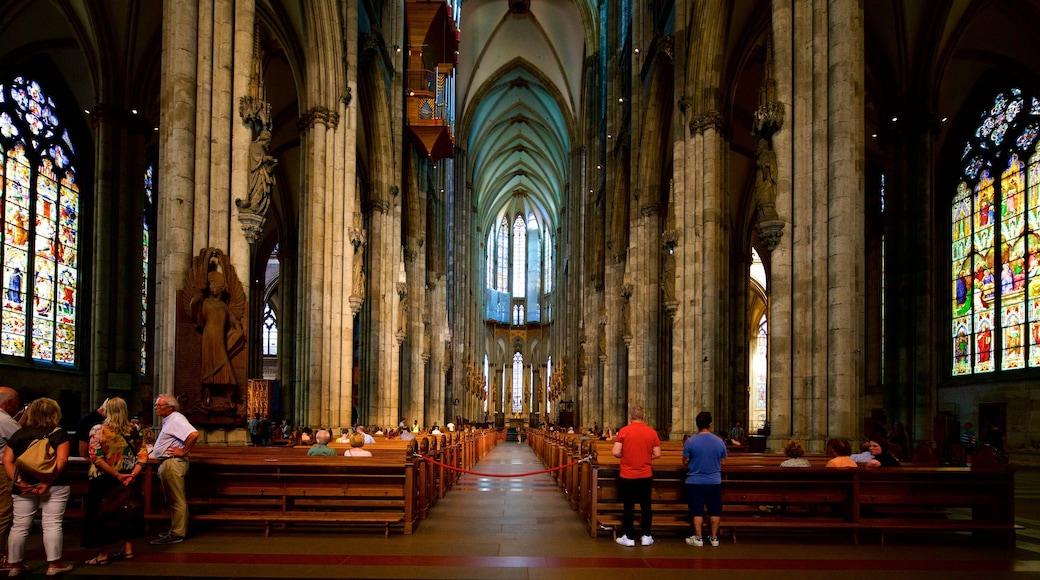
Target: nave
x=522 y=527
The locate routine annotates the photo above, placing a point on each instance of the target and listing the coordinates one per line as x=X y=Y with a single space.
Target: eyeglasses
x=161 y=405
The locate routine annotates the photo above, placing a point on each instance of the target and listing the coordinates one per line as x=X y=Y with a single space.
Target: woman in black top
x=31 y=495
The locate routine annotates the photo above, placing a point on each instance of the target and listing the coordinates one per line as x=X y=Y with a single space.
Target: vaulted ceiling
x=519 y=85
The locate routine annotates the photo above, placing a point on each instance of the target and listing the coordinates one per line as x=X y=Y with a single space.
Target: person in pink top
x=636 y=445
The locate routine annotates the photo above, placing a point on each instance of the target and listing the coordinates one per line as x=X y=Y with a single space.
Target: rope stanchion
x=452 y=467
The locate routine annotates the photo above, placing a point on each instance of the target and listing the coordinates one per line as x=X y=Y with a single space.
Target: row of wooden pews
x=760 y=495
x=279 y=486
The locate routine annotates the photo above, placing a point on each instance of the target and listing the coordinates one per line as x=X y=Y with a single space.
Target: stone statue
x=668 y=277
x=359 y=273
x=261 y=174
x=216 y=302
x=765 y=180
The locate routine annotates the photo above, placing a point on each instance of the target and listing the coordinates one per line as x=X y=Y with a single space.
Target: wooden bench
x=280 y=485
x=867 y=500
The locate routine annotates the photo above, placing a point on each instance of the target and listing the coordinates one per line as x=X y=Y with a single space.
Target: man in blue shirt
x=703 y=455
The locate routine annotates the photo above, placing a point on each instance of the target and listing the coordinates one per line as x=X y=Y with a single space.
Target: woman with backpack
x=39 y=485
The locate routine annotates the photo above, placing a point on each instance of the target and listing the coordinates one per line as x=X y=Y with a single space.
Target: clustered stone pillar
x=816 y=359
x=207 y=51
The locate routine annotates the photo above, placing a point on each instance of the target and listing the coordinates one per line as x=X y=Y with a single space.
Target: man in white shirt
x=172 y=446
x=368 y=438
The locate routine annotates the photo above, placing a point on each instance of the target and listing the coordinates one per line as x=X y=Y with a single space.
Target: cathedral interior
x=517 y=212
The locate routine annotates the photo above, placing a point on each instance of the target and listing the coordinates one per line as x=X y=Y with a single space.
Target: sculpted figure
x=217 y=306
x=261 y=176
x=765 y=179
x=359 y=273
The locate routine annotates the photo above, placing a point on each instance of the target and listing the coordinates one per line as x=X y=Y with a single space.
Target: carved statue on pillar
x=261 y=175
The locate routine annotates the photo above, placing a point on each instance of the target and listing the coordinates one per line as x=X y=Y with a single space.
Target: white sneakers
x=624 y=541
x=714 y=541
x=695 y=541
x=646 y=540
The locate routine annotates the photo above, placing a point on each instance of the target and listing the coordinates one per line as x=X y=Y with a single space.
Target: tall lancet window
x=519 y=255
x=518 y=382
x=547 y=240
x=41 y=209
x=146 y=260
x=489 y=268
x=995 y=241
x=502 y=267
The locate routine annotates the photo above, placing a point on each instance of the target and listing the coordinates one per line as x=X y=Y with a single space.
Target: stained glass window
x=518 y=381
x=146 y=262
x=519 y=255
x=502 y=269
x=489 y=258
x=548 y=262
x=995 y=241
x=41 y=208
x=270 y=331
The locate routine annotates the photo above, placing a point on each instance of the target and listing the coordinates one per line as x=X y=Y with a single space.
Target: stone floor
x=522 y=527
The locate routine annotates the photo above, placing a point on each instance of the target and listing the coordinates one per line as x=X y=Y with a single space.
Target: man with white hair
x=321 y=445
x=172 y=446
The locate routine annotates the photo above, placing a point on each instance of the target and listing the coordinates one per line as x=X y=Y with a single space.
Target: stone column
x=846 y=153
x=176 y=178
x=817 y=296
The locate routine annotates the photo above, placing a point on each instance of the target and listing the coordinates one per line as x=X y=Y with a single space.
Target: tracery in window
x=518 y=382
x=502 y=267
x=270 y=331
x=519 y=255
x=547 y=240
x=41 y=208
x=995 y=239
x=146 y=260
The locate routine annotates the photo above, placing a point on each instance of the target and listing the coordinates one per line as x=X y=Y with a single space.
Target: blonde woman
x=357 y=441
x=31 y=495
x=117 y=452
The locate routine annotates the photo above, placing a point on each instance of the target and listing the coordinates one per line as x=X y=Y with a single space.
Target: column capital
x=709 y=120
x=316 y=115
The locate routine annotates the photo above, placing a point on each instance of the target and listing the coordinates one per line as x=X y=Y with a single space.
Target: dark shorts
x=700 y=496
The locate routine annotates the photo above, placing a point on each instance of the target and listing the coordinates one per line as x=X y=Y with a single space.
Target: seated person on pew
x=321 y=445
x=794 y=452
x=369 y=440
x=841 y=450
x=344 y=436
x=881 y=457
x=357 y=442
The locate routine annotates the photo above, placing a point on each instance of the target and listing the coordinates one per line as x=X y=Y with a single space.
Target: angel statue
x=215 y=301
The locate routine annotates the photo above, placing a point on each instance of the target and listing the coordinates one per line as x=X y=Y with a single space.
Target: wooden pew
x=872 y=500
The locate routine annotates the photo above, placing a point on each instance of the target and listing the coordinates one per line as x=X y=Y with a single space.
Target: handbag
x=121 y=507
x=40 y=459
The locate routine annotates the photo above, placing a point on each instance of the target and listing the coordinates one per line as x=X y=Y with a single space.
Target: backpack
x=40 y=459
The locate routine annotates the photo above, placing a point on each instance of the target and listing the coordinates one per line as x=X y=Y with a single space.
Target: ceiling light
x=637 y=51
x=874 y=135
x=894 y=119
x=134 y=111
x=944 y=119
x=621 y=99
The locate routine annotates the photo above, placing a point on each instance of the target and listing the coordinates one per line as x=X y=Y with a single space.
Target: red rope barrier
x=446 y=466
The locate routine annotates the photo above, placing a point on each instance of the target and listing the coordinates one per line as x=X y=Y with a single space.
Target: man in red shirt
x=636 y=444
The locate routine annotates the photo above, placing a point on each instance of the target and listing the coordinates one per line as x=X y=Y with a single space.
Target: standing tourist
x=172 y=446
x=637 y=445
x=703 y=455
x=118 y=453
x=47 y=495
x=9 y=403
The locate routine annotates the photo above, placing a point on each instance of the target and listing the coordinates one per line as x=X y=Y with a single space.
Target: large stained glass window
x=518 y=382
x=519 y=256
x=995 y=241
x=547 y=240
x=502 y=269
x=146 y=260
x=41 y=209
